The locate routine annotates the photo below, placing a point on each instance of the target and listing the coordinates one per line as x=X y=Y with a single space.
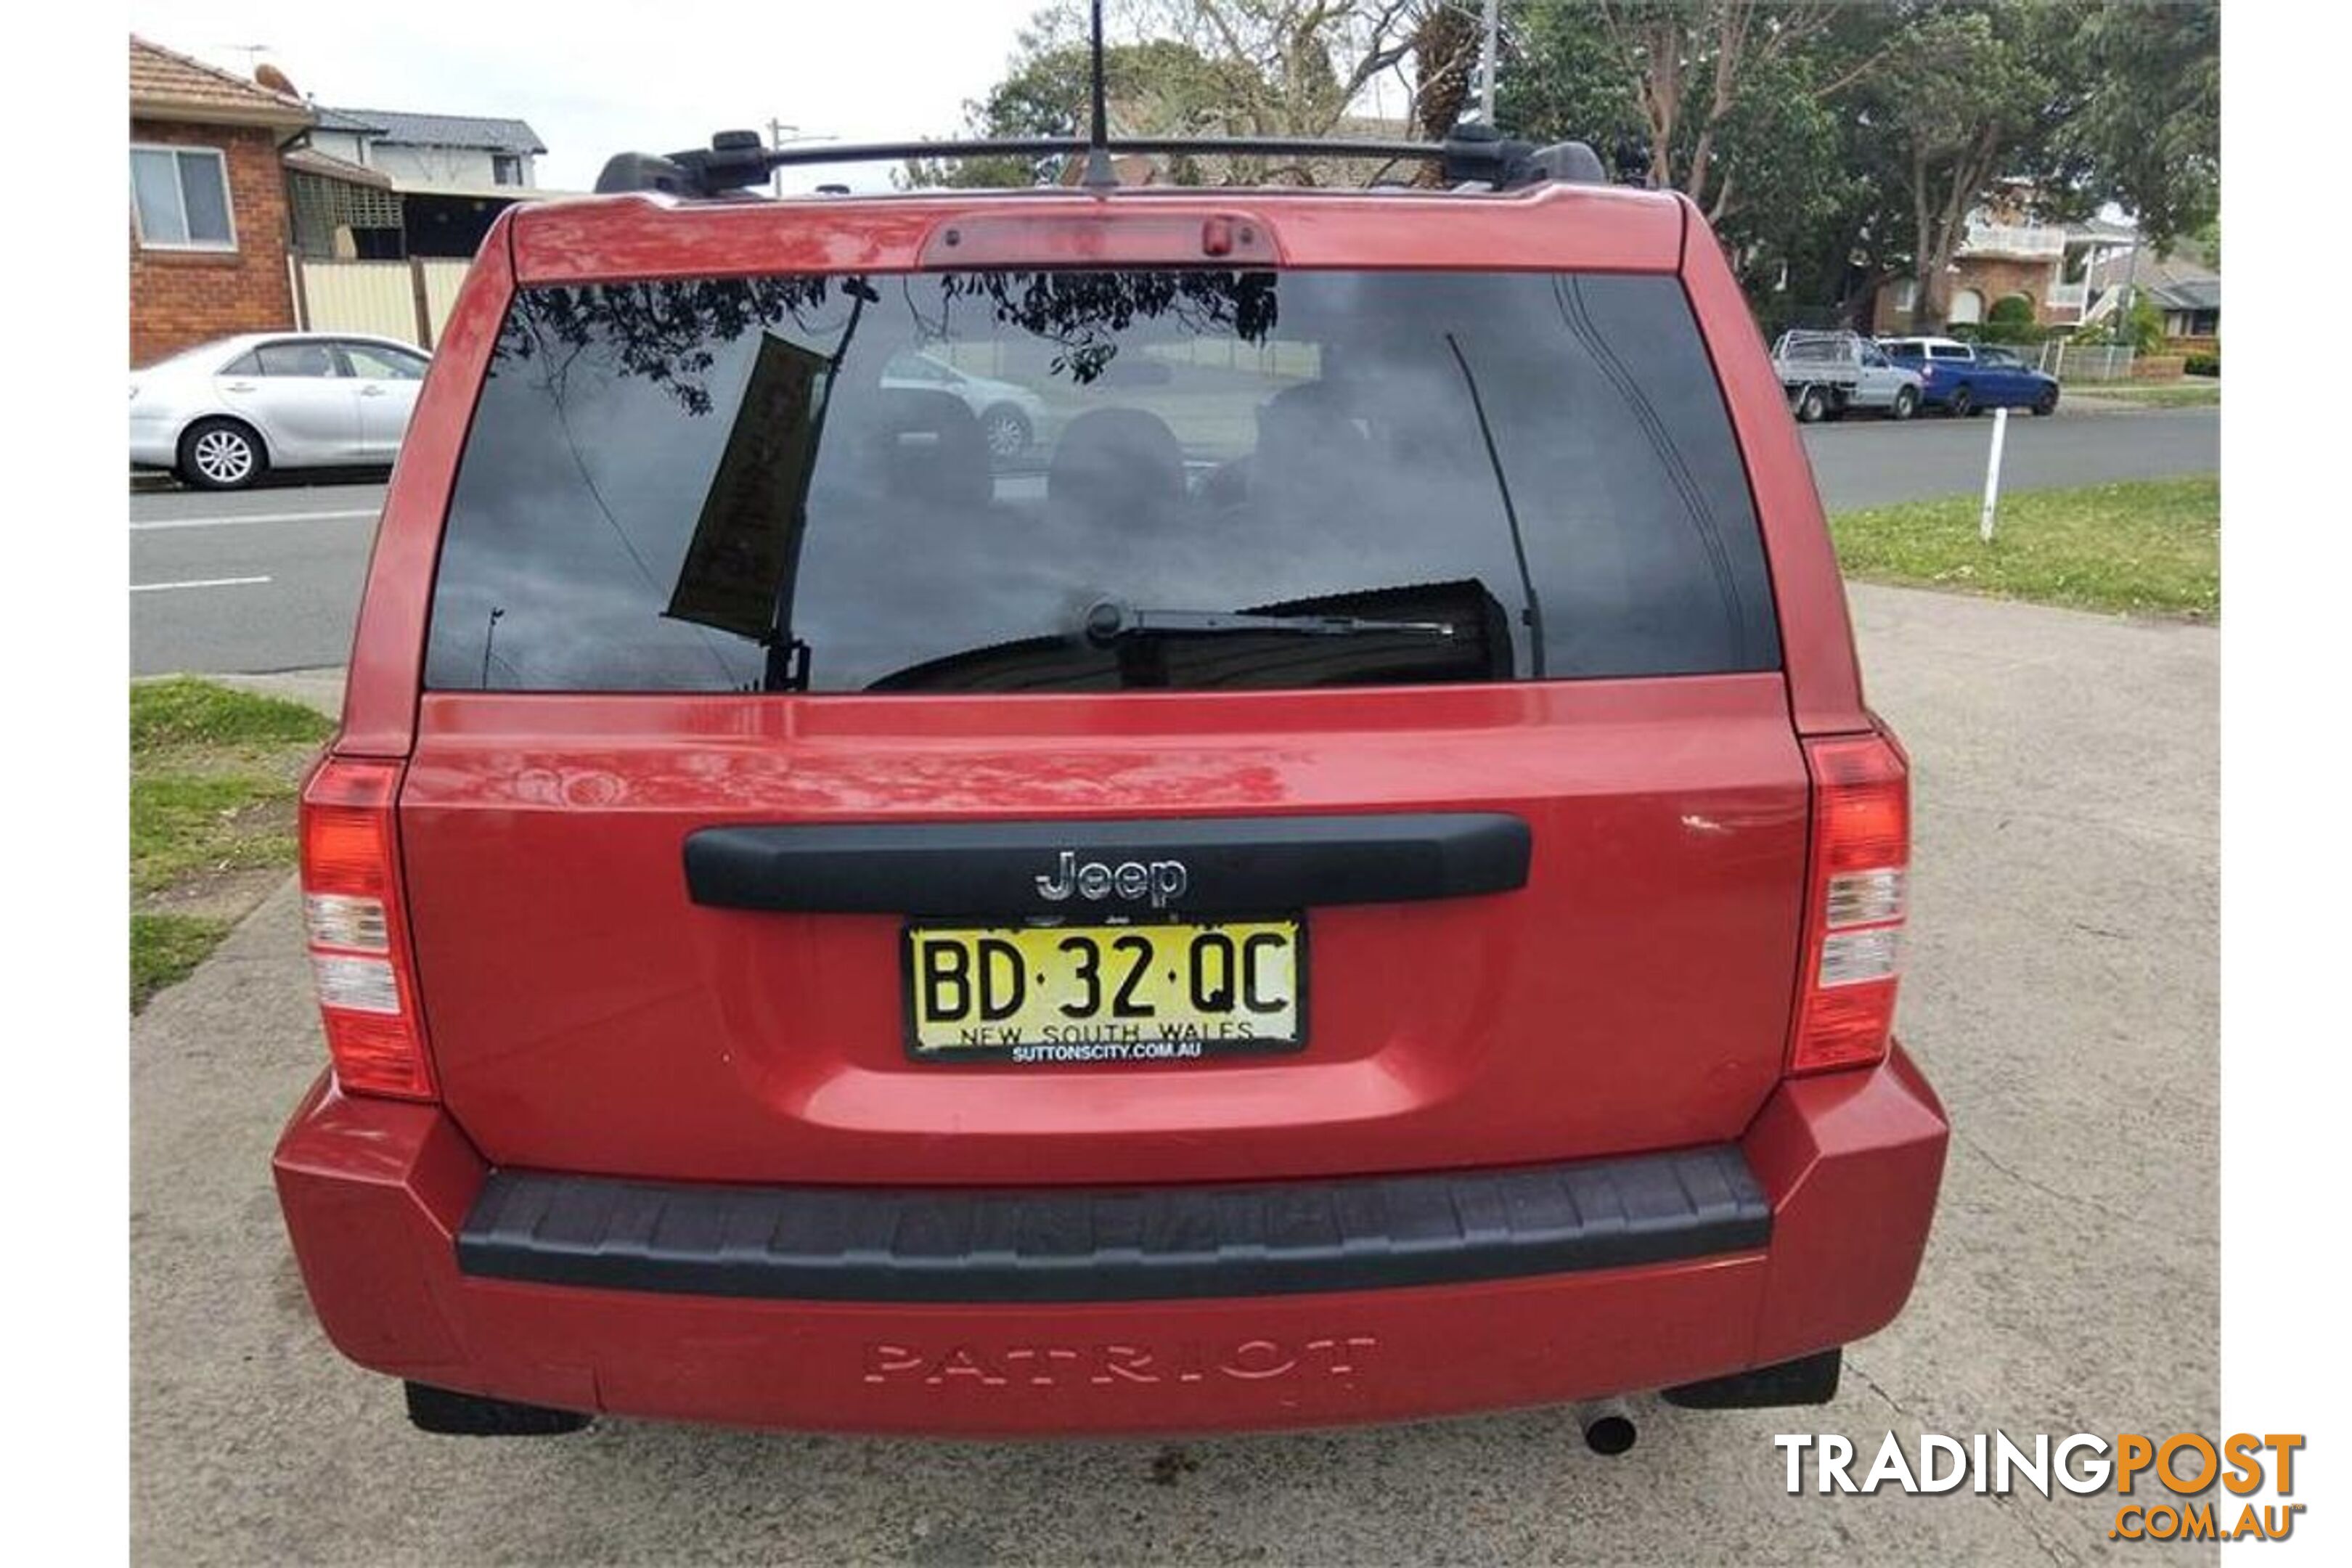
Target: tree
x=1212 y=67
x=1833 y=146
x=1973 y=91
x=2138 y=323
x=1302 y=62
x=1746 y=106
x=1675 y=78
x=1446 y=45
x=1158 y=86
x=2148 y=131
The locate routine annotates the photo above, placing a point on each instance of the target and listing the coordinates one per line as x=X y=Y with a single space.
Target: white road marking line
x=197 y=582
x=241 y=522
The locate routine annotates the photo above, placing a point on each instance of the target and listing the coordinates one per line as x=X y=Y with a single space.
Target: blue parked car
x=1961 y=378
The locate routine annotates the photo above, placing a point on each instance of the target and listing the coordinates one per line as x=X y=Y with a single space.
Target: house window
x=506 y=169
x=180 y=195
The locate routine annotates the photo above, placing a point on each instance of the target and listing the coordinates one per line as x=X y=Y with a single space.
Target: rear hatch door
x=1348 y=734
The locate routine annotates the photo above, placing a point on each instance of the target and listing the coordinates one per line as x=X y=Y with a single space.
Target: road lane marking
x=242 y=521
x=197 y=582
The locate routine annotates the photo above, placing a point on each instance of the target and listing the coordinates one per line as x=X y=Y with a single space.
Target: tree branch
x=1378 y=57
x=1731 y=44
x=1870 y=63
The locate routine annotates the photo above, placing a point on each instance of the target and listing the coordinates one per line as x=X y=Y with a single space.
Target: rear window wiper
x=1109 y=621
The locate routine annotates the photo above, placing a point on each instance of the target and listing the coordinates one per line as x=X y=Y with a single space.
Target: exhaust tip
x=1608 y=1427
x=1612 y=1434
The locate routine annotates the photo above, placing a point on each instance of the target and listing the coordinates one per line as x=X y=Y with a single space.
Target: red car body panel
x=1816 y=636
x=614 y=1027
x=586 y=1018
x=374 y=1191
x=1547 y=228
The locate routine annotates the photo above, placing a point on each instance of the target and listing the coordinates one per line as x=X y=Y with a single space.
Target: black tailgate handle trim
x=1228 y=864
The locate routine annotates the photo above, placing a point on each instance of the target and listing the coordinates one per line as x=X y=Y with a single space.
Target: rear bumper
x=1806 y=1235
x=154 y=444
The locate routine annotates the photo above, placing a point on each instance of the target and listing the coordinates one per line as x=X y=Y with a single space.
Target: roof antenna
x=1099 y=175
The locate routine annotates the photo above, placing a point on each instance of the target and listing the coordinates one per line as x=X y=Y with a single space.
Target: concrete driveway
x=2063 y=996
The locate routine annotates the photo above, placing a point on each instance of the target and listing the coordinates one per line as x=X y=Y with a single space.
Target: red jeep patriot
x=1103 y=810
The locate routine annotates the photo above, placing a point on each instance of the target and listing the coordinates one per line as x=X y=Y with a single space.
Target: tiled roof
x=166 y=84
x=311 y=161
x=445 y=130
x=343 y=119
x=2190 y=294
x=2168 y=271
x=2099 y=229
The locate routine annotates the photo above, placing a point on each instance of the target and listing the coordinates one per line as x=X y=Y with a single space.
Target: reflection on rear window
x=1096 y=482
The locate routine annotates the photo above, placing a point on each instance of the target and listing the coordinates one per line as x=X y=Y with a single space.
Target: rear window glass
x=295 y=359
x=1098 y=480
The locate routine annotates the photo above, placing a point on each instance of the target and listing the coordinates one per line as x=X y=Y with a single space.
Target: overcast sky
x=592 y=84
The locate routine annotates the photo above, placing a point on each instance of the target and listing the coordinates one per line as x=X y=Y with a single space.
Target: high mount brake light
x=1121 y=238
x=360 y=958
x=1854 y=904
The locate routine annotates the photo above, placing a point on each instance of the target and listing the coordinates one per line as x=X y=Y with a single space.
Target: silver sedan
x=223 y=414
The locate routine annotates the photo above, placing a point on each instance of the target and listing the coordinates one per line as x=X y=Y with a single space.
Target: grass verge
x=164 y=949
x=213 y=778
x=2183 y=395
x=2148 y=547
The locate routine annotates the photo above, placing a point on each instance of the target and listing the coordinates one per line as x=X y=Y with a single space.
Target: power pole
x=1486 y=63
x=2131 y=281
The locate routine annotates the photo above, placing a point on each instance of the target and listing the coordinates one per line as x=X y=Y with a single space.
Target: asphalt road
x=2062 y=995
x=271 y=579
x=1870 y=462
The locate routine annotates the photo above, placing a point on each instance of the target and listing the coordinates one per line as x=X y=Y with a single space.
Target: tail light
x=359 y=957
x=1854 y=903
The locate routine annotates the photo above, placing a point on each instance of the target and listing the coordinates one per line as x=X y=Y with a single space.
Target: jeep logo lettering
x=1161 y=881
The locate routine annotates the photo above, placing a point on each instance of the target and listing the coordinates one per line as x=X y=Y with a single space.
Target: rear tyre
x=1811 y=404
x=1907 y=403
x=446 y=1413
x=2047 y=404
x=1963 y=403
x=222 y=455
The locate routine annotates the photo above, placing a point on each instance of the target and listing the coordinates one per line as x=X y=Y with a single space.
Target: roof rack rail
x=737 y=162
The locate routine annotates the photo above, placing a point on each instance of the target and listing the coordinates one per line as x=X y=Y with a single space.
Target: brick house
x=2006 y=251
x=208 y=214
x=2071 y=274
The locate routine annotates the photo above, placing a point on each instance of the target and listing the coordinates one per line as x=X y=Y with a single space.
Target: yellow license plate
x=1104 y=994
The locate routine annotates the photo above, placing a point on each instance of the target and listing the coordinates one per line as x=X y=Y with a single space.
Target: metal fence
x=407 y=299
x=2087 y=362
